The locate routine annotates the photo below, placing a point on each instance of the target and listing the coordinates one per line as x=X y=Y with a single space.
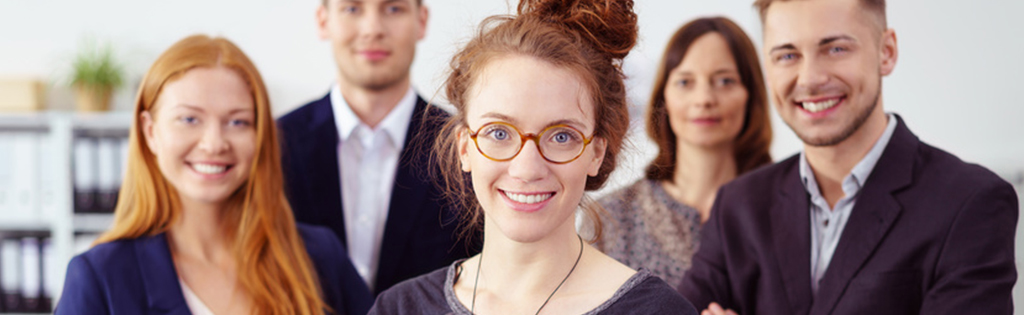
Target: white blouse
x=195 y=305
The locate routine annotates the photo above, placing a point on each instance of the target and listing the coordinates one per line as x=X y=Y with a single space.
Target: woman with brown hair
x=540 y=116
x=709 y=117
x=202 y=225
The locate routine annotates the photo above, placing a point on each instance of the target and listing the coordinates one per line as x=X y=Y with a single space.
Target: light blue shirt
x=827 y=224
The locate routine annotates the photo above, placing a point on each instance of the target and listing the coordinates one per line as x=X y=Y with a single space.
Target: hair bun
x=609 y=25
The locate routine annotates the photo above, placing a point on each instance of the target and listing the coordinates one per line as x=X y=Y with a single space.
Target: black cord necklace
x=472 y=305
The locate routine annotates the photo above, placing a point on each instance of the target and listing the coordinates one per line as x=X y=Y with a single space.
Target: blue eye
x=191 y=120
x=683 y=82
x=393 y=9
x=497 y=132
x=562 y=137
x=350 y=9
x=837 y=49
x=785 y=58
x=499 y=135
x=240 y=123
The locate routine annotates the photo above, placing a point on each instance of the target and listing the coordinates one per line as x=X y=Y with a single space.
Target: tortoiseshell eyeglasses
x=559 y=144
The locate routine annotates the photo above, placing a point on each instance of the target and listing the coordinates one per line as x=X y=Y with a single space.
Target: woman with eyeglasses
x=709 y=117
x=540 y=116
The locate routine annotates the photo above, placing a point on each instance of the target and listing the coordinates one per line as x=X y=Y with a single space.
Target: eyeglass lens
x=557 y=144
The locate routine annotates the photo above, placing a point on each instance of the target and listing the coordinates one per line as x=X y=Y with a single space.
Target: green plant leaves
x=96 y=67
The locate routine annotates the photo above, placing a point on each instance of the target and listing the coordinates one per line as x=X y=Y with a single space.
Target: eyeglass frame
x=529 y=136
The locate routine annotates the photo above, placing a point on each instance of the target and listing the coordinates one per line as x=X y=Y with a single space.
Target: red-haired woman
x=540 y=116
x=709 y=117
x=202 y=225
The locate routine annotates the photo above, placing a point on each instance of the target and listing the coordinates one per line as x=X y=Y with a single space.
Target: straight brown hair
x=751 y=146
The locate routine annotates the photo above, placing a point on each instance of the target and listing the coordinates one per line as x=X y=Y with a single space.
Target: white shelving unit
x=42 y=199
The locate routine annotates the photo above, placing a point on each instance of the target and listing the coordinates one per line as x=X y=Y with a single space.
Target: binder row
x=26 y=175
x=98 y=165
x=25 y=258
x=29 y=169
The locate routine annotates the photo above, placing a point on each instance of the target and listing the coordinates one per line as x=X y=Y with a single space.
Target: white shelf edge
x=25 y=225
x=92 y=222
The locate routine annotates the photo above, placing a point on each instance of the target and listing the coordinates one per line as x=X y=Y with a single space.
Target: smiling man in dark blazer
x=356 y=160
x=867 y=219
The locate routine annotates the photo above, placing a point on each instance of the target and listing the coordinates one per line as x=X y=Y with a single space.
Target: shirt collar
x=395 y=124
x=859 y=173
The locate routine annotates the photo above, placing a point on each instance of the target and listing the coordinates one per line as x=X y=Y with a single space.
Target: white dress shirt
x=368 y=159
x=827 y=224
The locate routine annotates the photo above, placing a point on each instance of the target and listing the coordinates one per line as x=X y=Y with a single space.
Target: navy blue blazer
x=420 y=234
x=929 y=234
x=137 y=276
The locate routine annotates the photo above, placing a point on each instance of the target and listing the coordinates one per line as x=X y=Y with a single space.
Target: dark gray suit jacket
x=929 y=234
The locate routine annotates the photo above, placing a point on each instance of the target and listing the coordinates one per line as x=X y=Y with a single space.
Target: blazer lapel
x=790 y=222
x=160 y=279
x=410 y=188
x=320 y=148
x=873 y=215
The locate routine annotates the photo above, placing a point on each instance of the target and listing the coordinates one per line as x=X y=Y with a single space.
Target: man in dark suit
x=867 y=219
x=356 y=160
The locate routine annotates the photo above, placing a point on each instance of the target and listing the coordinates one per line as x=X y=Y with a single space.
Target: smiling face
x=705 y=98
x=374 y=41
x=527 y=198
x=825 y=62
x=202 y=132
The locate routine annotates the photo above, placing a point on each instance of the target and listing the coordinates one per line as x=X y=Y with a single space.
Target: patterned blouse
x=644 y=227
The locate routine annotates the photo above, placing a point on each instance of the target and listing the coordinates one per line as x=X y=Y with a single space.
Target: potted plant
x=95 y=76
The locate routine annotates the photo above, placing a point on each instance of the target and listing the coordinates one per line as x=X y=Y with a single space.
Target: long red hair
x=272 y=262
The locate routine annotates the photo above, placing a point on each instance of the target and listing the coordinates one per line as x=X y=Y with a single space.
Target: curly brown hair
x=587 y=37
